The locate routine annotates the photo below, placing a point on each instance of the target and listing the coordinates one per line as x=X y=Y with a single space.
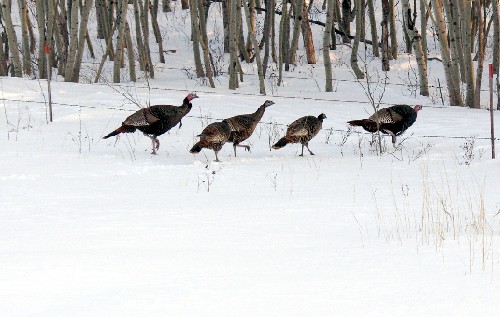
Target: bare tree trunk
x=145 y=36
x=326 y=46
x=496 y=33
x=416 y=41
x=233 y=45
x=423 y=27
x=3 y=57
x=481 y=45
x=130 y=53
x=195 y=38
x=451 y=72
x=257 y=51
x=385 y=35
x=12 y=38
x=454 y=36
x=120 y=41
x=226 y=22
x=467 y=47
x=346 y=21
x=307 y=36
x=81 y=39
x=297 y=22
x=138 y=37
x=283 y=42
x=393 y=32
x=373 y=26
x=286 y=38
x=73 y=40
x=23 y=13
x=204 y=41
x=360 y=6
x=156 y=32
x=268 y=29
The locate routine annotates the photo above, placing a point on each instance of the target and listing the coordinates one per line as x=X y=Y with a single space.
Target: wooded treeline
x=37 y=35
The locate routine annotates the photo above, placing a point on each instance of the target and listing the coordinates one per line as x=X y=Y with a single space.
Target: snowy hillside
x=94 y=227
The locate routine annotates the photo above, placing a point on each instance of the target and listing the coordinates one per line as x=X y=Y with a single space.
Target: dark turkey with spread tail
x=155 y=120
x=393 y=120
x=302 y=131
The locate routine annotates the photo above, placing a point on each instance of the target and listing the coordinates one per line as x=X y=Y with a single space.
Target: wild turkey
x=155 y=120
x=393 y=120
x=301 y=131
x=242 y=126
x=213 y=137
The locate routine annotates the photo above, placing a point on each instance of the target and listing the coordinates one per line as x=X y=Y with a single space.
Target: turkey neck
x=259 y=113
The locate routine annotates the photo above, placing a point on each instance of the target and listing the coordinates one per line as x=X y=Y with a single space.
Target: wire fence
x=244 y=94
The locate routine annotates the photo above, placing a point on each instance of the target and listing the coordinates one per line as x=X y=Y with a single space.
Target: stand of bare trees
x=467 y=33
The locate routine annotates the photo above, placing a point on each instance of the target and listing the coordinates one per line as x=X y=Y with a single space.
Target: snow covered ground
x=94 y=227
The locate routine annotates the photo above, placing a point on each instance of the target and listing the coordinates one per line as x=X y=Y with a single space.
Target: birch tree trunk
x=81 y=39
x=385 y=35
x=143 y=61
x=451 y=72
x=423 y=28
x=233 y=45
x=297 y=22
x=120 y=41
x=268 y=30
x=150 y=70
x=481 y=39
x=373 y=27
x=416 y=41
x=12 y=38
x=467 y=47
x=73 y=42
x=130 y=53
x=286 y=37
x=359 y=6
x=204 y=41
x=255 y=44
x=156 y=32
x=195 y=38
x=393 y=32
x=3 y=57
x=326 y=46
x=23 y=13
x=307 y=36
x=496 y=33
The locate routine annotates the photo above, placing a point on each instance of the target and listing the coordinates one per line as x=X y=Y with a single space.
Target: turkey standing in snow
x=155 y=120
x=242 y=126
x=301 y=131
x=393 y=120
x=213 y=137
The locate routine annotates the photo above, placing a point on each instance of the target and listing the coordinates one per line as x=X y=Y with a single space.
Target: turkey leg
x=247 y=147
x=393 y=137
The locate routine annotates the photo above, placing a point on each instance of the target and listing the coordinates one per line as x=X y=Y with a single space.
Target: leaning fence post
x=492 y=122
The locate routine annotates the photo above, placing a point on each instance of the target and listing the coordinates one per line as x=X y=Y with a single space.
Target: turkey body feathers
x=393 y=120
x=155 y=120
x=213 y=137
x=301 y=131
x=243 y=126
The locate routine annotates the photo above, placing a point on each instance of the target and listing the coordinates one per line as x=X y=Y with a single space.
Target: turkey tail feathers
x=196 y=148
x=367 y=124
x=281 y=143
x=122 y=129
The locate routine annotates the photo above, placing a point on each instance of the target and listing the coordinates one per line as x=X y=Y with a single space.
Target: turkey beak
x=194 y=95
